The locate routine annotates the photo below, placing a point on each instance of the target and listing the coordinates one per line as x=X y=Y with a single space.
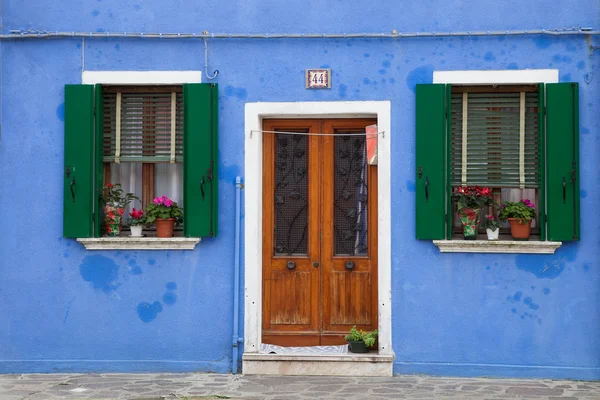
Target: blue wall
x=66 y=309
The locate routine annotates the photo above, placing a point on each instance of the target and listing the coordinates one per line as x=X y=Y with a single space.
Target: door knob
x=315 y=264
x=291 y=265
x=349 y=265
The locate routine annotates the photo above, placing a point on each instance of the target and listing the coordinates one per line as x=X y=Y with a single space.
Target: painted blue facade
x=63 y=308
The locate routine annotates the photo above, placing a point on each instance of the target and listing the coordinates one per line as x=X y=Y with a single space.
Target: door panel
x=319 y=243
x=349 y=248
x=291 y=237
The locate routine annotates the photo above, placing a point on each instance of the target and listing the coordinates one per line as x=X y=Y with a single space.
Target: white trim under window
x=255 y=112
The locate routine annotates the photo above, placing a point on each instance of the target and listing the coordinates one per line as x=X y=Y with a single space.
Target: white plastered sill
x=142 y=243
x=496 y=246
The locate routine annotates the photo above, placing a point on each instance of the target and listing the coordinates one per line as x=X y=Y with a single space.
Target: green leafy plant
x=164 y=208
x=113 y=194
x=523 y=210
x=491 y=222
x=356 y=335
x=472 y=197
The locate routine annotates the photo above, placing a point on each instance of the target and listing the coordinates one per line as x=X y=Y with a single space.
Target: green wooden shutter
x=78 y=196
x=200 y=178
x=562 y=159
x=431 y=151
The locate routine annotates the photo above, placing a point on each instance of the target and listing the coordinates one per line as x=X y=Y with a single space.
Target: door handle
x=72 y=189
x=349 y=265
x=290 y=265
x=315 y=264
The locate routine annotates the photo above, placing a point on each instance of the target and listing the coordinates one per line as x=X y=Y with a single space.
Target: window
x=143 y=141
x=522 y=141
x=152 y=139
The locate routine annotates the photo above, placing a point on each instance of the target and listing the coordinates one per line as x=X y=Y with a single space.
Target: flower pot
x=492 y=235
x=520 y=231
x=164 y=227
x=358 y=347
x=112 y=219
x=136 y=230
x=469 y=219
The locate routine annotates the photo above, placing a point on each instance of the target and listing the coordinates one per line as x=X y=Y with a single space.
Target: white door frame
x=255 y=113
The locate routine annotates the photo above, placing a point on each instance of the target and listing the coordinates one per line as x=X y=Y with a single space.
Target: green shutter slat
x=430 y=157
x=200 y=179
x=98 y=172
x=78 y=192
x=562 y=158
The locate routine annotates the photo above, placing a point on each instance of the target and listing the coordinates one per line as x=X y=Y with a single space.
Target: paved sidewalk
x=214 y=386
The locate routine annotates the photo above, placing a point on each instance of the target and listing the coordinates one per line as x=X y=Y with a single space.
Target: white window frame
x=139 y=78
x=497 y=77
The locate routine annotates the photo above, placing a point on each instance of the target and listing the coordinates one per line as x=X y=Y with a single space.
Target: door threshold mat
x=319 y=350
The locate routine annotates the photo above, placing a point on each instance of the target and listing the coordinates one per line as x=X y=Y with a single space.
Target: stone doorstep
x=351 y=364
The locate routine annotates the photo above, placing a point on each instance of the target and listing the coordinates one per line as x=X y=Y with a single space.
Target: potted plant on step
x=492 y=227
x=114 y=201
x=136 y=222
x=519 y=214
x=469 y=202
x=163 y=212
x=360 y=341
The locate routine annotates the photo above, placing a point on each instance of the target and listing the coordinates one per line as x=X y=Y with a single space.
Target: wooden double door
x=319 y=272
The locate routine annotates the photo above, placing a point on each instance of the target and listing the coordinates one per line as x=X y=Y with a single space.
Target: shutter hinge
x=573 y=177
x=209 y=173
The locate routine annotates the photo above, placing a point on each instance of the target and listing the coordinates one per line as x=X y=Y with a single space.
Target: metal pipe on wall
x=36 y=34
x=236 y=279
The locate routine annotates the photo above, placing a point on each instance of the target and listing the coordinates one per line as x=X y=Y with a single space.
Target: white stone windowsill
x=496 y=246
x=143 y=243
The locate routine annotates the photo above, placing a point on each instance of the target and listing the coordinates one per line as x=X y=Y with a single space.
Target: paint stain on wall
x=489 y=56
x=237 y=92
x=528 y=301
x=101 y=272
x=60 y=112
x=546 y=266
x=542 y=42
x=147 y=312
x=343 y=90
x=410 y=186
x=422 y=74
x=515 y=297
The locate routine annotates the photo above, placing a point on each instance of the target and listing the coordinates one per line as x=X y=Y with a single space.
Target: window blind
x=143 y=125
x=494 y=139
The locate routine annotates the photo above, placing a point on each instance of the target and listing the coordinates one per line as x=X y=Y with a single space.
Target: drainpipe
x=236 y=283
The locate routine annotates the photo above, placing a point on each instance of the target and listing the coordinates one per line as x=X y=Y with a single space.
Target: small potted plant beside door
x=164 y=213
x=360 y=341
x=519 y=214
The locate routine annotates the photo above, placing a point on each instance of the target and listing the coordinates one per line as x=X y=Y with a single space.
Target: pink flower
x=158 y=200
x=168 y=202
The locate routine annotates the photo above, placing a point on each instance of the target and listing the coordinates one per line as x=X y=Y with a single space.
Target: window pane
x=350 y=196
x=291 y=194
x=168 y=181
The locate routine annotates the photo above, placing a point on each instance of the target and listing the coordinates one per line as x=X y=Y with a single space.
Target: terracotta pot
x=520 y=231
x=164 y=227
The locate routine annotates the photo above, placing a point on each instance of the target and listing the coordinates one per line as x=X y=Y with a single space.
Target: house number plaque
x=318 y=78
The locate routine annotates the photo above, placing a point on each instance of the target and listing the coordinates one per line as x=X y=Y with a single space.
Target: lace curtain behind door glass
x=350 y=196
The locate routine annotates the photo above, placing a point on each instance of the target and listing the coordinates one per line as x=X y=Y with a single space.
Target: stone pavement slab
x=196 y=386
